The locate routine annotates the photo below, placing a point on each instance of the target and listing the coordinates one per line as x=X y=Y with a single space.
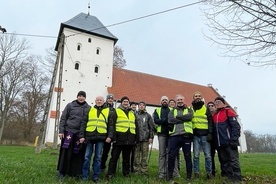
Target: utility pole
x=59 y=93
x=41 y=139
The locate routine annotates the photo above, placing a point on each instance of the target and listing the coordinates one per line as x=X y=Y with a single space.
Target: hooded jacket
x=145 y=126
x=74 y=118
x=226 y=128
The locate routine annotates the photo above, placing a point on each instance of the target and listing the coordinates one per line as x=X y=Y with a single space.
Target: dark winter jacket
x=95 y=135
x=162 y=120
x=226 y=128
x=145 y=126
x=124 y=138
x=74 y=118
x=110 y=106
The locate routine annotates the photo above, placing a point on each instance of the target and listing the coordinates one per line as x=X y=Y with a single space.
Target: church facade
x=85 y=61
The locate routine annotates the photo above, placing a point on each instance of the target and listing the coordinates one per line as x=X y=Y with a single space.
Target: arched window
x=96 y=69
x=89 y=40
x=79 y=47
x=77 y=66
x=98 y=51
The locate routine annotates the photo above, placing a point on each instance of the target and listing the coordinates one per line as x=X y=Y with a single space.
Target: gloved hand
x=209 y=138
x=170 y=127
x=234 y=144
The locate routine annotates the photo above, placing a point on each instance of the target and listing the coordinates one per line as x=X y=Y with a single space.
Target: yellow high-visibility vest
x=124 y=123
x=187 y=124
x=200 y=119
x=97 y=123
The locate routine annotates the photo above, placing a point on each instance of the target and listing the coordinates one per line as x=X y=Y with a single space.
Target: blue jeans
x=200 y=142
x=96 y=162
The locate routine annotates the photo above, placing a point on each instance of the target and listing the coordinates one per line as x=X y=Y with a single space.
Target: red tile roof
x=150 y=88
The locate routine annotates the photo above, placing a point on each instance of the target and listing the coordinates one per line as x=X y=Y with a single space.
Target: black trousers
x=229 y=162
x=115 y=154
x=105 y=153
x=213 y=153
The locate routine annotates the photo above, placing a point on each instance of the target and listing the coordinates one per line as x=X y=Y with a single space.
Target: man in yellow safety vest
x=124 y=139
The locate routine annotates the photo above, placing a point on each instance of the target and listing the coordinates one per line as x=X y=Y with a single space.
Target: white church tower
x=84 y=62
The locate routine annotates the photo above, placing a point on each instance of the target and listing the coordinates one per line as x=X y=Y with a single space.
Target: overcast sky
x=171 y=45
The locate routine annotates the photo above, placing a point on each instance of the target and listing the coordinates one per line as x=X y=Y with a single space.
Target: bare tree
x=244 y=29
x=50 y=59
x=118 y=57
x=30 y=107
x=12 y=84
x=12 y=53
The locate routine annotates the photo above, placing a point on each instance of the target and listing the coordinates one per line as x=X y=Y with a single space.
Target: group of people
x=85 y=130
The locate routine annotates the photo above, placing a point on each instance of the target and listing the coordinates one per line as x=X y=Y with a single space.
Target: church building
x=85 y=62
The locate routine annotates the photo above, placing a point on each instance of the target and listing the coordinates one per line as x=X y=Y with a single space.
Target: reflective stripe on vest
x=200 y=119
x=158 y=111
x=187 y=124
x=124 y=123
x=97 y=123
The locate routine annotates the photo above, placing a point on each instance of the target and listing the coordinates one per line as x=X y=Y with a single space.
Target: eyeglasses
x=210 y=105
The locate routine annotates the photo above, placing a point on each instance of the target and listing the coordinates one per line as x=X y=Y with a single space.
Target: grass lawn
x=21 y=165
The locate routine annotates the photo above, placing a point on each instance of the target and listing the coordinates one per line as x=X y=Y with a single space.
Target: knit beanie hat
x=124 y=98
x=164 y=98
x=81 y=93
x=221 y=99
x=110 y=96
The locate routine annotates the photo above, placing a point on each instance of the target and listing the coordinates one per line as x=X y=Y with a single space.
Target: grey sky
x=170 y=45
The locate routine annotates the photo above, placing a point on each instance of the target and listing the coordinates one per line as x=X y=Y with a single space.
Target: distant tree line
x=24 y=85
x=260 y=143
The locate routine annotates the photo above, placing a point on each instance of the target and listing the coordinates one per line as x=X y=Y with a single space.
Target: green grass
x=21 y=165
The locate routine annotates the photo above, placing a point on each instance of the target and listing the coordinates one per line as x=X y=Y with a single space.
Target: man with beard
x=160 y=117
x=124 y=138
x=202 y=130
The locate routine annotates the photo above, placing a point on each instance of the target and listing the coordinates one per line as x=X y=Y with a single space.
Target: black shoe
x=61 y=176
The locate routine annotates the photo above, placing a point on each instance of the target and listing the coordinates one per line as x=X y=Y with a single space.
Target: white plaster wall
x=85 y=79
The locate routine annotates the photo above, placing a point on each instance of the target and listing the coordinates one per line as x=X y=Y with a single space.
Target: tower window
x=96 y=69
x=77 y=66
x=89 y=40
x=98 y=51
x=79 y=47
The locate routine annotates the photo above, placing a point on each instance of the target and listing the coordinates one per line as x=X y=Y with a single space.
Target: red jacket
x=226 y=128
